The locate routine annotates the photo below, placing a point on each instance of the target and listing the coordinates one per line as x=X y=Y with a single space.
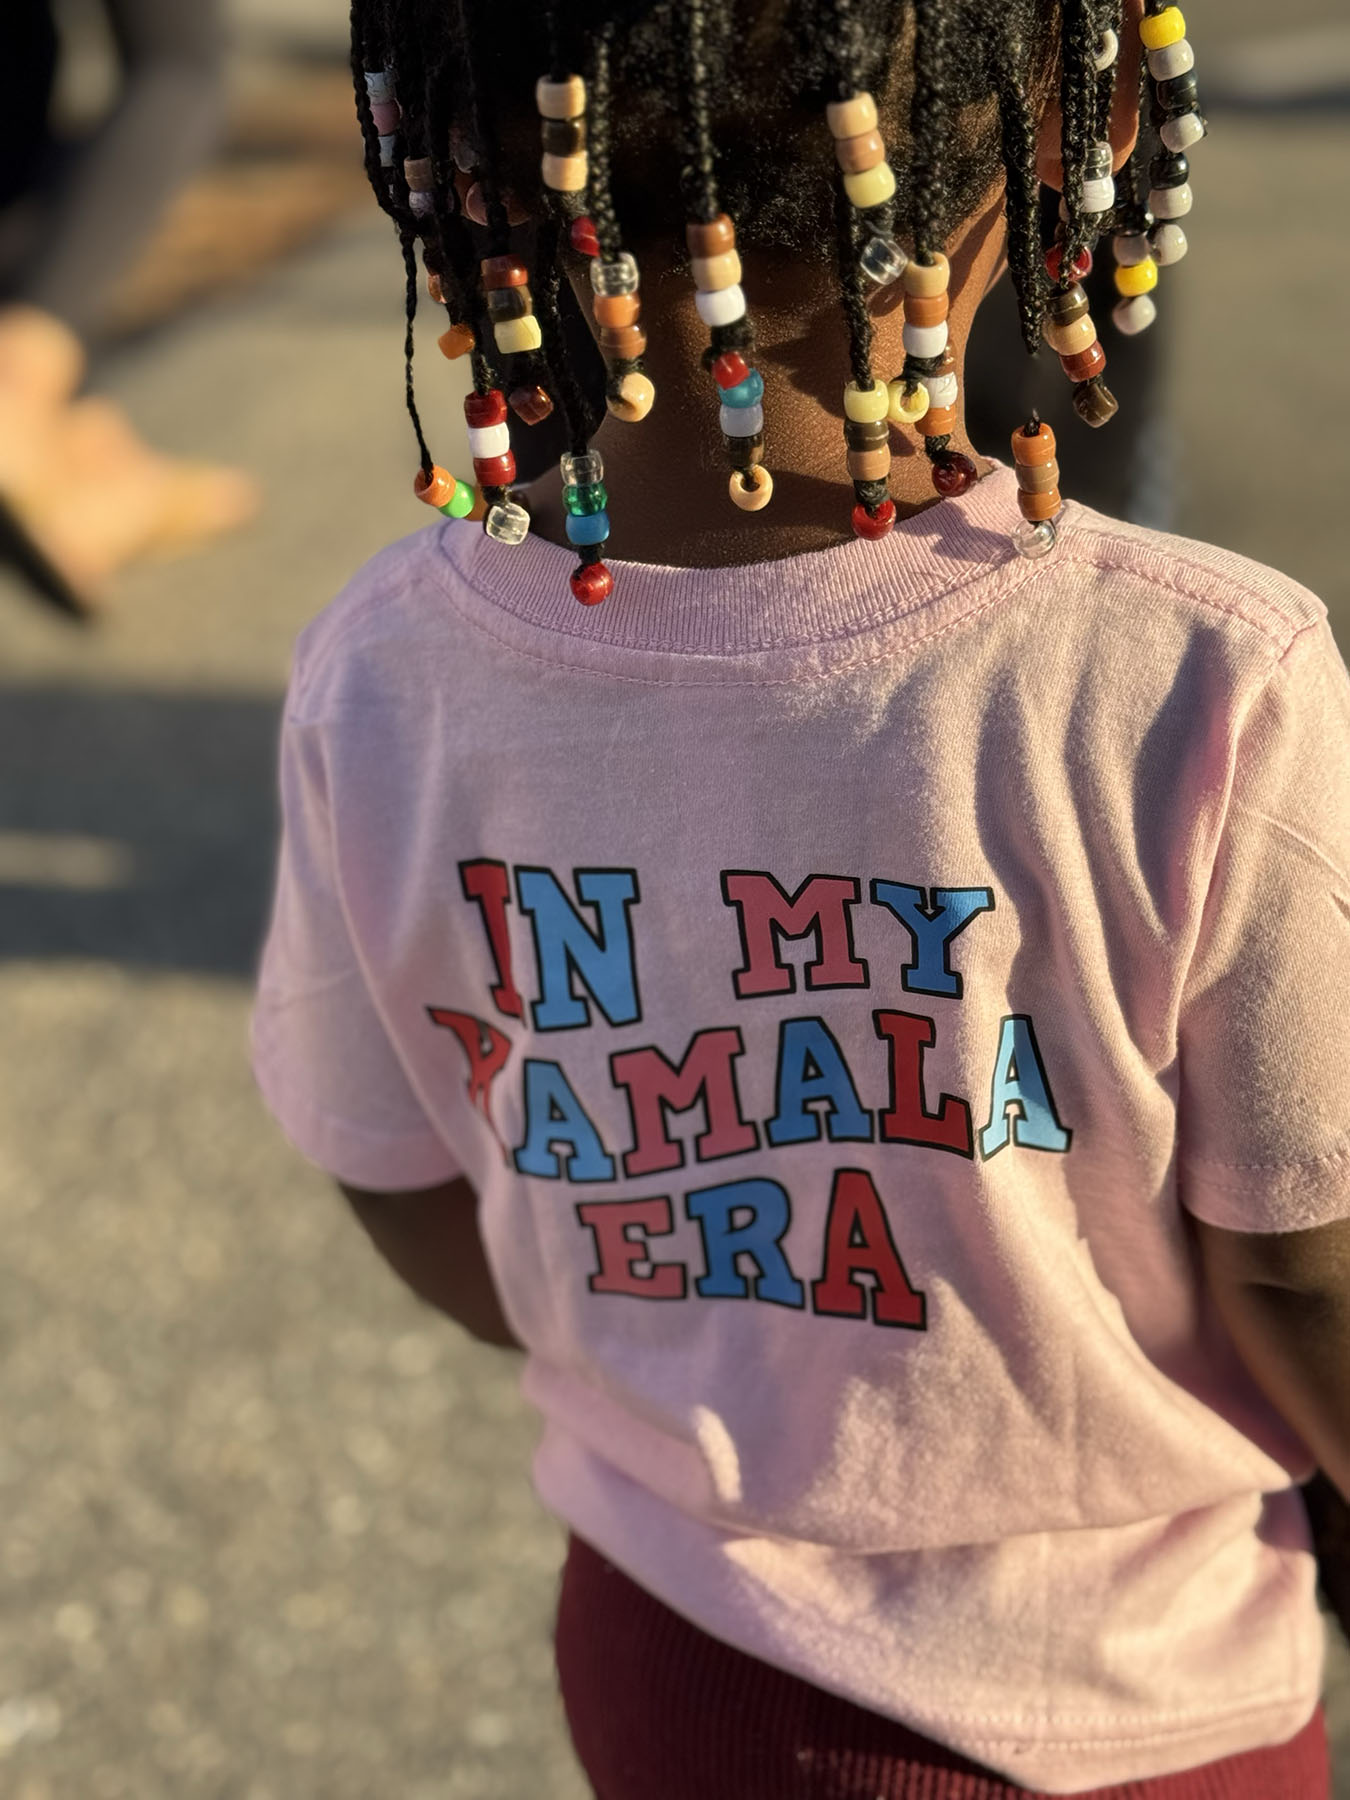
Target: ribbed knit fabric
x=659 y=1710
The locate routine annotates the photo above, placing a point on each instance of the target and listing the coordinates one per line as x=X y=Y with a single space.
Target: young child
x=853 y=985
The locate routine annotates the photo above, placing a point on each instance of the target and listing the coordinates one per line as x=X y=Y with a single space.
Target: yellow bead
x=515 y=335
x=926 y=280
x=1162 y=29
x=903 y=408
x=850 y=118
x=564 y=174
x=865 y=404
x=634 y=398
x=1137 y=278
x=757 y=492
x=870 y=187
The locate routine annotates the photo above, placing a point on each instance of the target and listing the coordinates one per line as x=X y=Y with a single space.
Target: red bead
x=953 y=473
x=495 y=471
x=531 y=404
x=485 y=409
x=1086 y=363
x=584 y=241
x=1082 y=264
x=504 y=272
x=730 y=369
x=592 y=583
x=874 y=525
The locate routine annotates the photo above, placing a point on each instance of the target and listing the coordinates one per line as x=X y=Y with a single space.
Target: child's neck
x=667 y=477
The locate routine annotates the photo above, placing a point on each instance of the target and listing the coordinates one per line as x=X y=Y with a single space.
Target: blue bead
x=745 y=393
x=587 y=528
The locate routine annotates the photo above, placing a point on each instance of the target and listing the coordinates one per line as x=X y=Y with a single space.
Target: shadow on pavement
x=136 y=827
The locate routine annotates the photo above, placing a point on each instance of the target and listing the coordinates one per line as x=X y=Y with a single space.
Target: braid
x=1021 y=203
x=930 y=122
x=852 y=291
x=701 y=171
x=410 y=304
x=1078 y=86
x=599 y=196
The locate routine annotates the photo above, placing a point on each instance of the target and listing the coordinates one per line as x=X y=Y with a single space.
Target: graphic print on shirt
x=584 y=938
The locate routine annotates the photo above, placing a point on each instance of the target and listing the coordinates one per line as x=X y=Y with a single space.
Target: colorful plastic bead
x=872 y=187
x=507 y=522
x=1034 y=539
x=723 y=307
x=624 y=343
x=866 y=434
x=931 y=309
x=712 y=237
x=495 y=471
x=379 y=86
x=939 y=421
x=488 y=441
x=594 y=497
x=387 y=146
x=581 y=236
x=1134 y=315
x=616 y=310
x=482 y=410
x=869 y=465
x=856 y=155
x=1162 y=28
x=460 y=504
x=531 y=405
x=905 y=408
x=1099 y=195
x=515 y=336
x=1038 y=506
x=745 y=393
x=509 y=303
x=714 y=272
x=1169 y=244
x=617 y=277
x=1094 y=403
x=1169 y=169
x=730 y=369
x=563 y=137
x=587 y=528
x=941 y=389
x=850 y=118
x=752 y=494
x=1038 y=478
x=1171 y=202
x=874 y=525
x=437 y=488
x=458 y=341
x=1181 y=132
x=1130 y=247
x=924 y=340
x=1172 y=60
x=583 y=468
x=504 y=272
x=1069 y=338
x=1084 y=364
x=1065 y=305
x=591 y=583
x=1137 y=278
x=634 y=397
x=1179 y=95
x=385 y=116
x=564 y=99
x=866 y=403
x=1033 y=449
x=1106 y=52
x=953 y=473
x=882 y=260
x=741 y=421
x=1054 y=257
x=564 y=174
x=924 y=279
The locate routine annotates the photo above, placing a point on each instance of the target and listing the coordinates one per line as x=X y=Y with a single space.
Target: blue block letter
x=954 y=908
x=554 y=1115
x=811 y=1067
x=563 y=942
x=757 y=1237
x=1019 y=1081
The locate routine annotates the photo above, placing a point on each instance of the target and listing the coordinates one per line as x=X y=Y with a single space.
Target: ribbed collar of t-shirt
x=819 y=597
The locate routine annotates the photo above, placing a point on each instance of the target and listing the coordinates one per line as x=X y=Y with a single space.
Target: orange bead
x=435 y=289
x=1038 y=478
x=627 y=341
x=855 y=154
x=1039 y=506
x=926 y=309
x=938 y=421
x=1029 y=451
x=438 y=490
x=458 y=341
x=713 y=239
x=617 y=309
x=869 y=465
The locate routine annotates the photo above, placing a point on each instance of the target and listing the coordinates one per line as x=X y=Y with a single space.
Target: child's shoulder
x=1221 y=582
x=381 y=625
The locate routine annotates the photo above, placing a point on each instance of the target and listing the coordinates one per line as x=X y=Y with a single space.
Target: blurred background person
x=81 y=494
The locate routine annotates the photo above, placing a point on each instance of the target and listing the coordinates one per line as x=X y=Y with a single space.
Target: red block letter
x=907 y=1122
x=487 y=1050
x=486 y=883
x=610 y=1222
x=654 y=1084
x=858 y=1237
x=765 y=912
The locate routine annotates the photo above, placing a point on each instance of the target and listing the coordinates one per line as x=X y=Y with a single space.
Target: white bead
x=489 y=440
x=1183 y=131
x=1133 y=315
x=387 y=143
x=924 y=340
x=380 y=86
x=1173 y=59
x=1108 y=49
x=1169 y=244
x=722 y=307
x=1130 y=247
x=1171 y=203
x=941 y=389
x=1034 y=539
x=1099 y=195
x=742 y=421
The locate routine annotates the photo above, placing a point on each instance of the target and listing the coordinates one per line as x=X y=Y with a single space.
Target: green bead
x=460 y=503
x=591 y=498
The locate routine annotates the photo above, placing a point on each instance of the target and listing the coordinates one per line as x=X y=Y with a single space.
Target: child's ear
x=1124 y=127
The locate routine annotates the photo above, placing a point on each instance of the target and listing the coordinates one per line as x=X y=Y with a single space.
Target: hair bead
x=1038 y=496
x=751 y=488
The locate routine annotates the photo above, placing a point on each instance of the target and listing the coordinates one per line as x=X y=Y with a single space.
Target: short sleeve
x=321 y=1054
x=1265 y=1015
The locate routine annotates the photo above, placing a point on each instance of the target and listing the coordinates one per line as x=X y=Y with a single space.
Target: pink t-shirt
x=838 y=977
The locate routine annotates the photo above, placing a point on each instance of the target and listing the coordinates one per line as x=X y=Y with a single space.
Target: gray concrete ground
x=268 y=1530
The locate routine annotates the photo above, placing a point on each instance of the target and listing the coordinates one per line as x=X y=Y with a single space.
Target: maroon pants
x=661 y=1711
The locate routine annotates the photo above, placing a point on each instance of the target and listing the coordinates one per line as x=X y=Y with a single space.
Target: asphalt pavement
x=268 y=1531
